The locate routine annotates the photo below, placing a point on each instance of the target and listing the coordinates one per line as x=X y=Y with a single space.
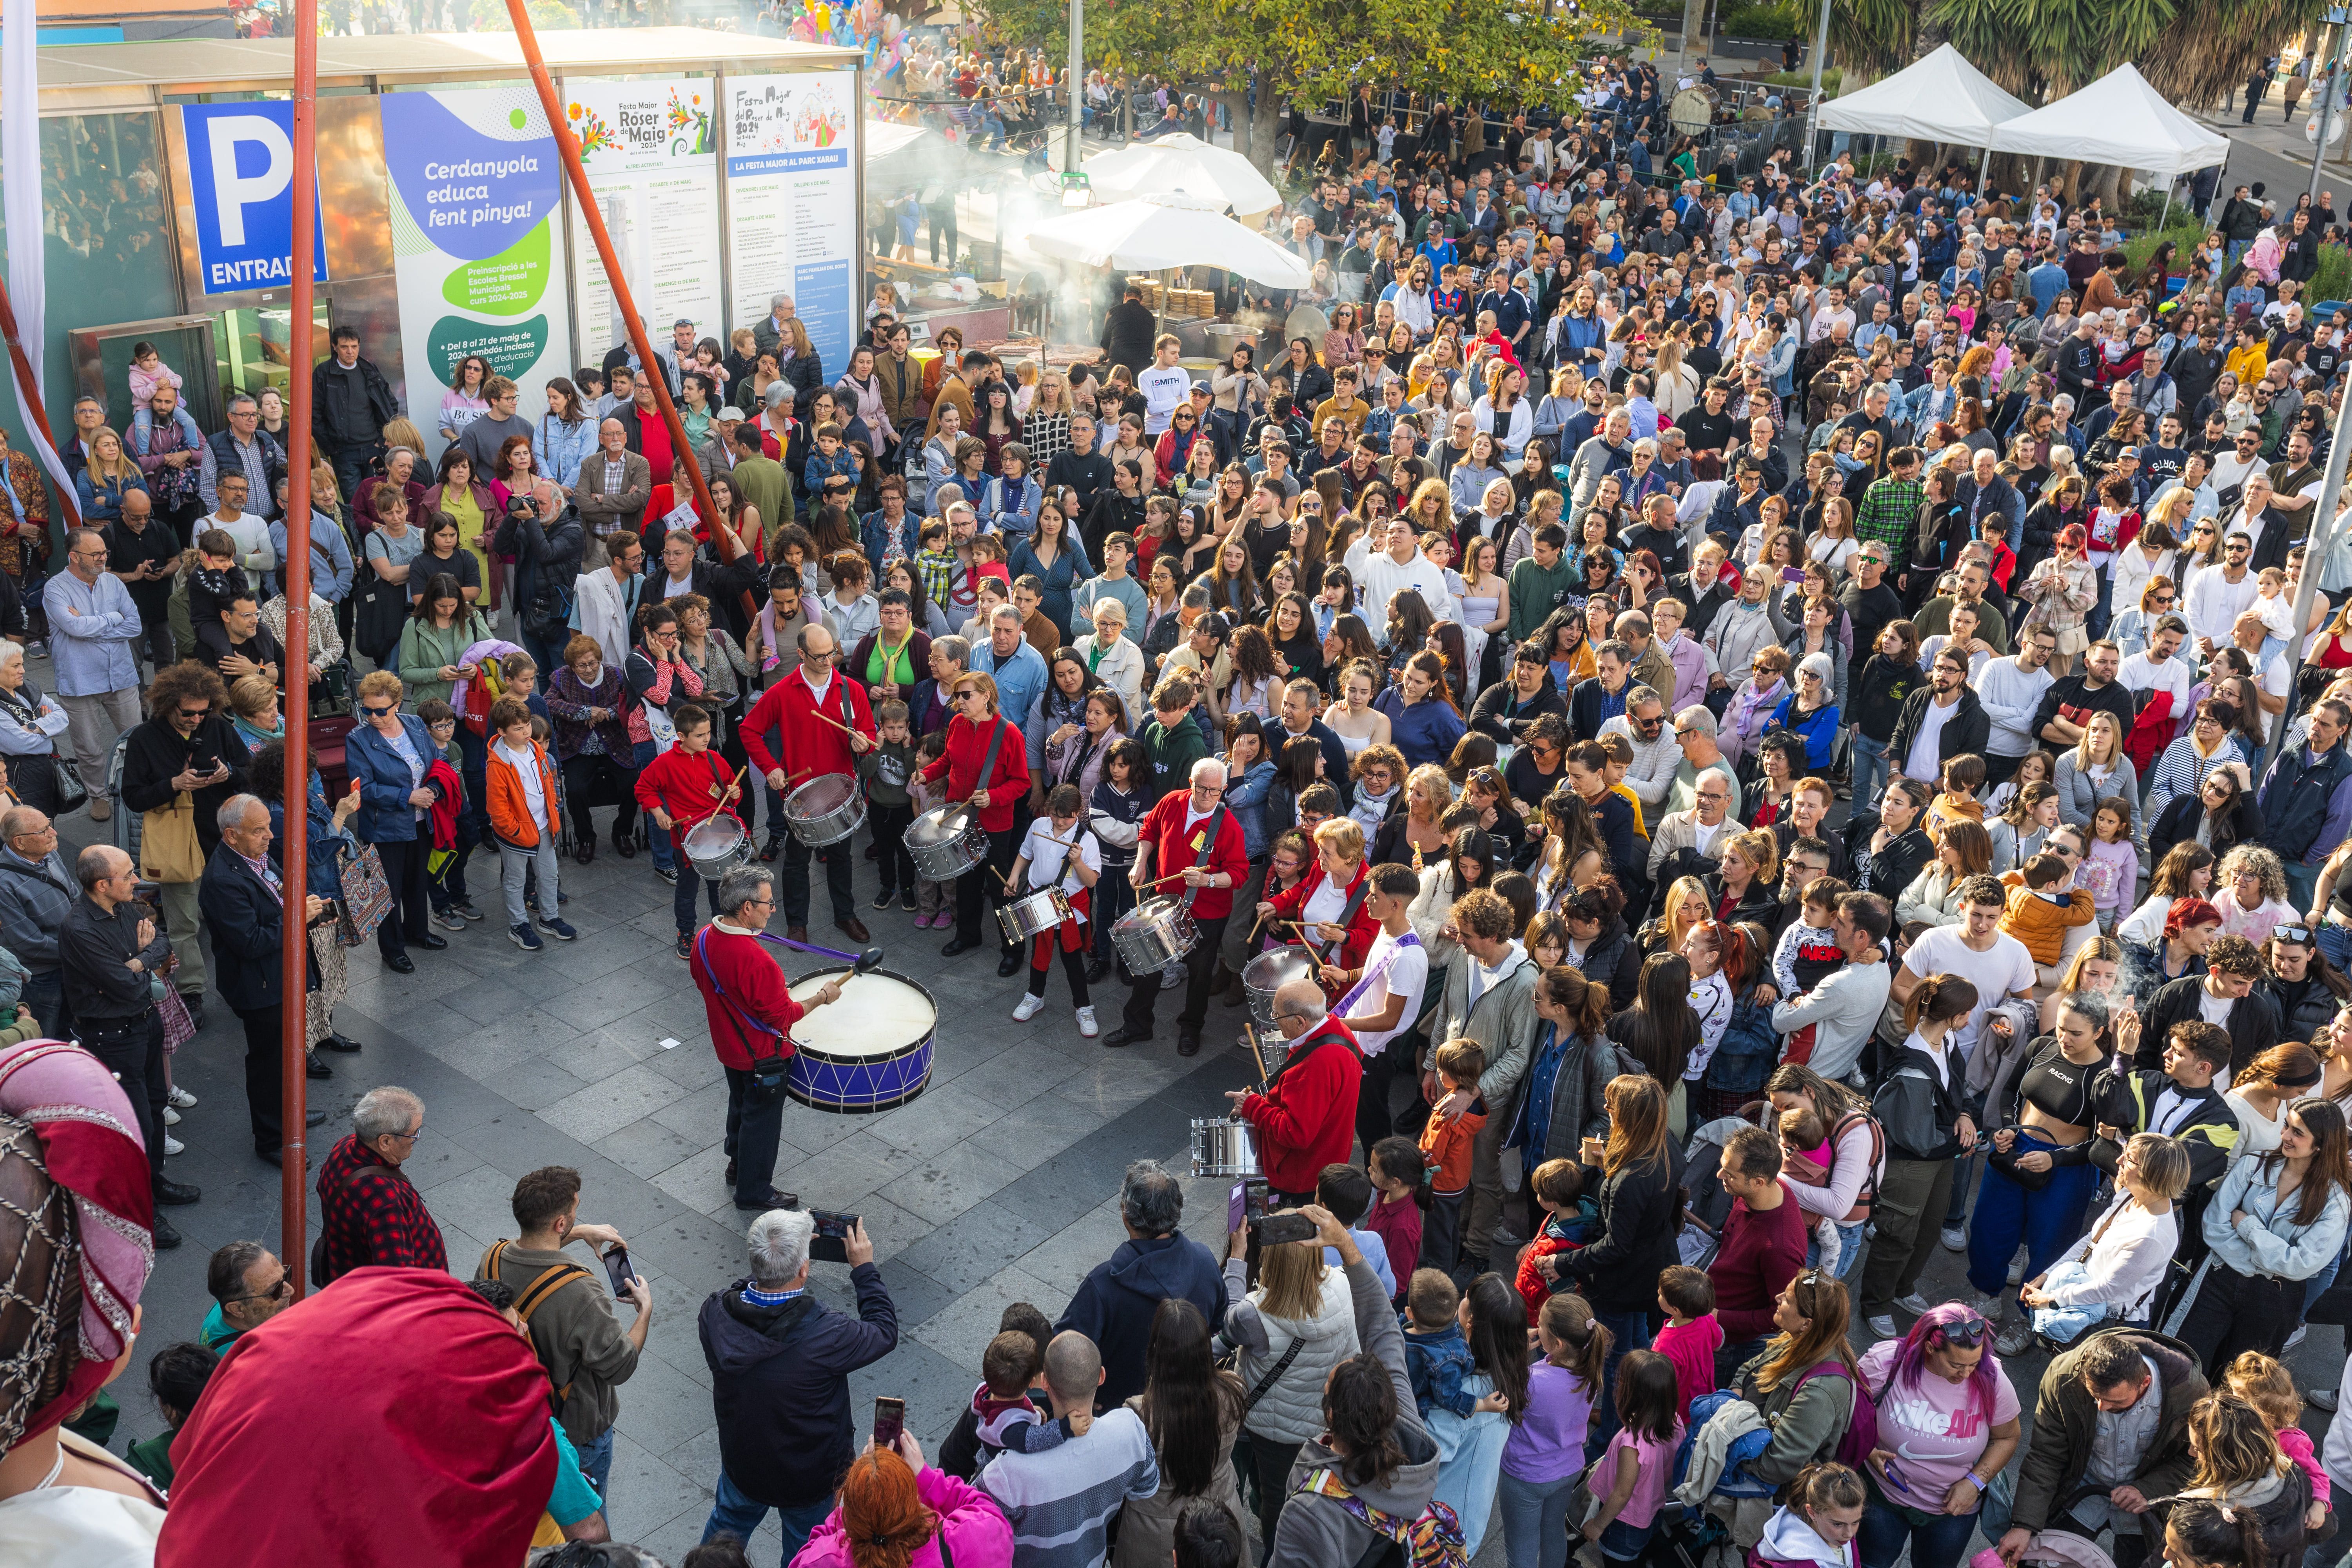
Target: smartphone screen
x=1236 y=1208
x=889 y=1420
x=616 y=1268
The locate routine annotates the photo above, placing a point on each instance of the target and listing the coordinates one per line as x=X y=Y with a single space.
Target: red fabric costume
x=1164 y=832
x=1306 y=1118
x=1362 y=931
x=686 y=785
x=1008 y=780
x=754 y=987
x=806 y=745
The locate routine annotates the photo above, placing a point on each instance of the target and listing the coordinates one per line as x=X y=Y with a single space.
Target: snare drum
x=1223 y=1147
x=1268 y=973
x=826 y=810
x=718 y=846
x=869 y=1051
x=1042 y=911
x=945 y=842
x=1154 y=934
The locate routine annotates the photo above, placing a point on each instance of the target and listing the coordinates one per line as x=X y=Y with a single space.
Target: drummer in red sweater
x=1332 y=902
x=820 y=723
x=1763 y=1247
x=1190 y=839
x=681 y=789
x=987 y=763
x=749 y=1007
x=1305 y=1120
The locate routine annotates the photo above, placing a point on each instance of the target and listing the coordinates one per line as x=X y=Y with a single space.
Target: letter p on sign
x=240 y=161
x=234 y=192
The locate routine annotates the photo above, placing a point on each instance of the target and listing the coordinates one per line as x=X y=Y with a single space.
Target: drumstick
x=835 y=722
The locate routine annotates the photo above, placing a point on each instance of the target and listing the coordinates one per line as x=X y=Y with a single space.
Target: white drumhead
x=878 y=1015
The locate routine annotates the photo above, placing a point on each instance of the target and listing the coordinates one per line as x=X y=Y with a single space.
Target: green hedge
x=1783 y=21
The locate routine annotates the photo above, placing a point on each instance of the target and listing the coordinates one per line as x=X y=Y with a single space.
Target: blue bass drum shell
x=827 y=1073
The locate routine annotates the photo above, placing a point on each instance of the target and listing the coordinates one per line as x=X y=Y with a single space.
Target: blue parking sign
x=241 y=174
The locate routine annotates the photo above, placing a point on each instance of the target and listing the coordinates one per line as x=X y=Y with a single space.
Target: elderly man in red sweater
x=821 y=724
x=750 y=1005
x=1763 y=1247
x=1195 y=843
x=1305 y=1120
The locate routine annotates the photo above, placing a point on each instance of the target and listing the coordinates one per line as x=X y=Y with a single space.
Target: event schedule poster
x=651 y=150
x=475 y=178
x=791 y=204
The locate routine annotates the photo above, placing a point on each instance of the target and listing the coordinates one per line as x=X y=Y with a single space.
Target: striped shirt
x=1059 y=1502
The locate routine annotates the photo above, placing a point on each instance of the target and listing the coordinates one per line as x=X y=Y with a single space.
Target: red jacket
x=807 y=747
x=1173 y=849
x=1761 y=1252
x=1307 y=1119
x=686 y=785
x=967 y=748
x=1362 y=931
x=754 y=986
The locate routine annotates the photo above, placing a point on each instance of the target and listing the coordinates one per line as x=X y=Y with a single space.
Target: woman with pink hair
x=2061 y=593
x=1948 y=1422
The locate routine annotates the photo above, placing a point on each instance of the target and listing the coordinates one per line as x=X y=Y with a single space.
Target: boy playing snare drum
x=683 y=788
x=1060 y=853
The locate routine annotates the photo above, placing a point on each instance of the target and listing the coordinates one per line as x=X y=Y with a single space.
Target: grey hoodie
x=1319 y=1532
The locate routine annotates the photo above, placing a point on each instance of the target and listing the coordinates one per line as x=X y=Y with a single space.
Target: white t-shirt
x=1049 y=857
x=525 y=763
x=2141 y=673
x=2003 y=968
x=1407 y=976
x=2214 y=1009
x=2273 y=679
x=1163 y=387
x=1926 y=759
x=1326 y=904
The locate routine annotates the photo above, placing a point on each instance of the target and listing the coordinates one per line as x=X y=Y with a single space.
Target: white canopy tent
x=2119 y=120
x=1156 y=232
x=1183 y=163
x=1941 y=98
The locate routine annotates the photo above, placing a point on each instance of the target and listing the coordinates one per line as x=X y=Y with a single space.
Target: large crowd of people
x=1758 y=719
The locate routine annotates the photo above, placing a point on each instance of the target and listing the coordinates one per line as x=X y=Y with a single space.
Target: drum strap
x=1208 y=847
x=702 y=960
x=1377 y=971
x=988 y=760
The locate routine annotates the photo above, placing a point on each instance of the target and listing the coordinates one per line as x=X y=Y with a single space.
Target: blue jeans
x=2335 y=942
x=2048 y=1221
x=1535 y=1520
x=2097 y=622
x=663 y=856
x=1935 y=1544
x=596 y=1464
x=1870 y=767
x=1964 y=1170
x=44 y=994
x=1849 y=1249
x=1628 y=1331
x=1622 y=1542
x=733 y=1513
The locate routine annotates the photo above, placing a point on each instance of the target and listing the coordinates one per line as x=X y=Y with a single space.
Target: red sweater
x=1163 y=830
x=1362 y=931
x=1761 y=1252
x=686 y=785
x=754 y=986
x=967 y=748
x=806 y=746
x=1307 y=1119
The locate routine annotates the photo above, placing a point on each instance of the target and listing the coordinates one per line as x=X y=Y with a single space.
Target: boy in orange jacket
x=520 y=782
x=1446 y=1143
x=681 y=789
x=2040 y=912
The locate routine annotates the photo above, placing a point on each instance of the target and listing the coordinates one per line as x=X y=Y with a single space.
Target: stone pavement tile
x=818 y=1131
x=536 y=1084
x=963 y=1255
x=915 y=1295
x=941 y=1115
x=1064 y=1260
x=600 y=1053
x=698 y=1112
x=609 y=1104
x=848 y=1171
x=1017 y=1075
x=645 y=1148
x=891 y=1228
x=699 y=1182
x=481 y=1053
x=487 y=1000
x=951 y=1183
x=437 y=1159
x=520 y=1141
x=675 y=1339
x=1112 y=1087
x=962 y=1330
x=957 y=1051
x=646 y=1490
x=480 y=1201
x=691 y=1063
x=599 y=1000
x=661 y=1407
x=935 y=1388
x=1032 y=1134
x=416 y=1017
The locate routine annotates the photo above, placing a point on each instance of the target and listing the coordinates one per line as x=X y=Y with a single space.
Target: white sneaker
x=2014 y=1341
x=2293 y=1339
x=1915 y=1303
x=1087 y=1025
x=172 y=1145
x=1029 y=1008
x=182 y=1099
x=1883 y=1326
x=1955 y=1238
x=171 y=1117
x=1171 y=976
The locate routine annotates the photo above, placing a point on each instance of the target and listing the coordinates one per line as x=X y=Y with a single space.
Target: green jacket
x=2065 y=1418
x=1536 y=591
x=1807 y=1416
x=761 y=481
x=424 y=649
x=152 y=1458
x=1173 y=753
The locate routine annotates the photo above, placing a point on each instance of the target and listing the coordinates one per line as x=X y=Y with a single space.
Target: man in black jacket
x=547 y=539
x=1939 y=722
x=2067 y=706
x=243 y=901
x=1128 y=330
x=2232 y=966
x=780 y=1363
x=109 y=950
x=187 y=746
x=350 y=403
x=1157 y=1262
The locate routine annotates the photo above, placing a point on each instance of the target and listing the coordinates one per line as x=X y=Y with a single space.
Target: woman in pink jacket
x=894 y=1512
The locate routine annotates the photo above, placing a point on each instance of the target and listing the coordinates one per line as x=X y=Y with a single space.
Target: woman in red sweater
x=1331 y=901
x=681 y=789
x=987 y=763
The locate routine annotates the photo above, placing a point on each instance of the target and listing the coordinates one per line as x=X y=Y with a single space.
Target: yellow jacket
x=2040 y=925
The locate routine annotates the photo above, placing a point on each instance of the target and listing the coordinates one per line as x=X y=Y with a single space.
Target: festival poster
x=651 y=150
x=792 y=201
x=475 y=178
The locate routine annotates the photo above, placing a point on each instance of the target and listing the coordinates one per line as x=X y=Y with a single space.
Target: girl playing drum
x=1060 y=853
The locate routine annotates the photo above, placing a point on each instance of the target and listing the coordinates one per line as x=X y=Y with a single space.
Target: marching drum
x=718 y=846
x=1042 y=911
x=1223 y=1147
x=945 y=842
x=869 y=1051
x=1154 y=934
x=1268 y=973
x=826 y=810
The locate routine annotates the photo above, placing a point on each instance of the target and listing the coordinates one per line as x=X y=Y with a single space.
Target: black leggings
x=592 y=779
x=1073 y=966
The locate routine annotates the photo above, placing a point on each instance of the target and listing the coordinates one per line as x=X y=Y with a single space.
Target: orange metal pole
x=33 y=396
x=294 y=953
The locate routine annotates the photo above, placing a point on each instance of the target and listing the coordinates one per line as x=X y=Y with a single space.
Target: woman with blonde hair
x=1636 y=1176
x=1302 y=1314
x=1686 y=903
x=2096 y=768
x=1416 y=835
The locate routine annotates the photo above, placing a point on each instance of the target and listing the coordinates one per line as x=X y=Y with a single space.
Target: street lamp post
x=1070 y=154
x=1813 y=106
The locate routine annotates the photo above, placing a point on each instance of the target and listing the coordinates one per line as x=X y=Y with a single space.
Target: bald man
x=1192 y=840
x=1060 y=1502
x=1306 y=1116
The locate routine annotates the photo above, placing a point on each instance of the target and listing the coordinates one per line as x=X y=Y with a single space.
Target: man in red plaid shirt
x=371 y=1213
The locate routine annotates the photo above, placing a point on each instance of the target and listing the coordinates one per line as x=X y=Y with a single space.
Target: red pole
x=294 y=951
x=33 y=397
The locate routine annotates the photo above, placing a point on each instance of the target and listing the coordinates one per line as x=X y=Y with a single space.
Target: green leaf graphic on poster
x=505 y=284
x=512 y=349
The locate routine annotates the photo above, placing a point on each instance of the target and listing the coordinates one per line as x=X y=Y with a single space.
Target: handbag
x=381 y=608
x=72 y=794
x=168 y=850
x=366 y=902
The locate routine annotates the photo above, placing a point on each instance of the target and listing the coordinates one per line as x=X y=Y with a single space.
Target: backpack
x=1434 y=1540
x=1869 y=1192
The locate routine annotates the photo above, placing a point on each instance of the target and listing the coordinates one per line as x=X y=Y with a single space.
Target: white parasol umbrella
x=1183 y=162
x=1155 y=232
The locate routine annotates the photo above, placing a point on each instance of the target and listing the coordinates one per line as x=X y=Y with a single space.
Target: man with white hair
x=371 y=1214
x=1690 y=842
x=1695 y=732
x=243 y=901
x=780 y=1363
x=1192 y=839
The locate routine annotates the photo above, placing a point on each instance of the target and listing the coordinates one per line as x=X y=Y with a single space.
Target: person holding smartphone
x=179 y=768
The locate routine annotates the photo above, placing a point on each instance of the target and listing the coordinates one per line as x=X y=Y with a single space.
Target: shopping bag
x=367 y=896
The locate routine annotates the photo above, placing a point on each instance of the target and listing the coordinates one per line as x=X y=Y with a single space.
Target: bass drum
x=867 y=1052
